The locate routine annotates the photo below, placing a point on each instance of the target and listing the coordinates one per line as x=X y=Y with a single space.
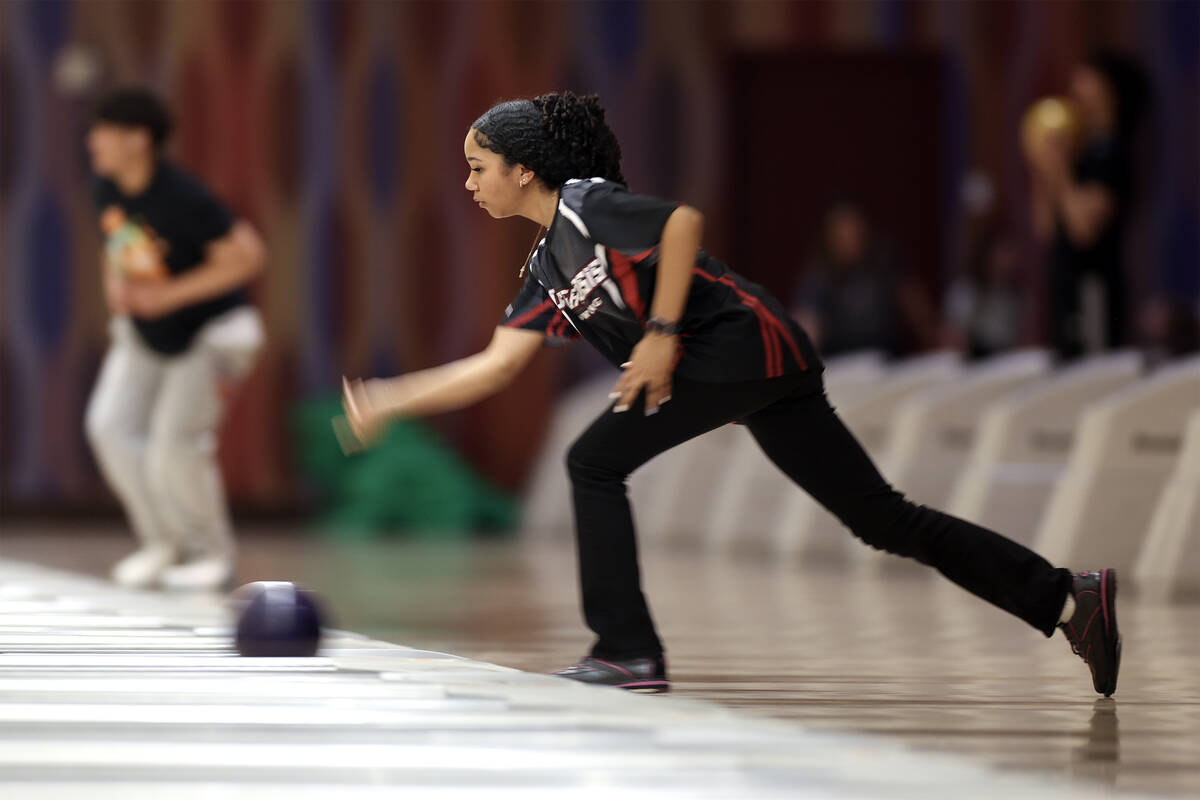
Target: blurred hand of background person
x=149 y=300
x=233 y=261
x=1051 y=160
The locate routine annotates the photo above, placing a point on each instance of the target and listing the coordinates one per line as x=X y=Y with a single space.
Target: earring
x=524 y=181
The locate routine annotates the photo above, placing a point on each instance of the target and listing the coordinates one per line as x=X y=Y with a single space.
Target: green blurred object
x=409 y=481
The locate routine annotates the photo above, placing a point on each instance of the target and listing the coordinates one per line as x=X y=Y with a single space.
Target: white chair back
x=1126 y=448
x=1024 y=439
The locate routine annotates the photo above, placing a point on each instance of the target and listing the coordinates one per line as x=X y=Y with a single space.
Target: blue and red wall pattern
x=337 y=129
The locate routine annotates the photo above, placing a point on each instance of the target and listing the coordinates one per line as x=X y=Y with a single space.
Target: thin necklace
x=536 y=240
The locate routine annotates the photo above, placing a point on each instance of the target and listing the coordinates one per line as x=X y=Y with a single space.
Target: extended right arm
x=371 y=404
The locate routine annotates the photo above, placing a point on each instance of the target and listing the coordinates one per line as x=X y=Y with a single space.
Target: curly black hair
x=558 y=136
x=135 y=107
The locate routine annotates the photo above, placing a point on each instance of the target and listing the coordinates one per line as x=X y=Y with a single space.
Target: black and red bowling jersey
x=594 y=274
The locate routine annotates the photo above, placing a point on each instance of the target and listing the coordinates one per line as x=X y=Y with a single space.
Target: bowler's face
x=494 y=185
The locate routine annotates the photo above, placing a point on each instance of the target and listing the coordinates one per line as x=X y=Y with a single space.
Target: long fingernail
x=651 y=411
x=664 y=400
x=613 y=395
x=627 y=364
x=619 y=409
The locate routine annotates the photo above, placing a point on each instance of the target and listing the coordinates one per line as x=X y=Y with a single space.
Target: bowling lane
x=789 y=641
x=90 y=707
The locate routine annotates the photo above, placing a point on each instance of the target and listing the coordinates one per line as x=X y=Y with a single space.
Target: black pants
x=796 y=427
x=1066 y=306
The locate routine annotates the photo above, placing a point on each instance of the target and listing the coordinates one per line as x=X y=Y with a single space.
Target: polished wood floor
x=905 y=656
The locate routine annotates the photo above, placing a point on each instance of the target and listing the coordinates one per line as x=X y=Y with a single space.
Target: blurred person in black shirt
x=1081 y=199
x=176 y=264
x=987 y=307
x=852 y=296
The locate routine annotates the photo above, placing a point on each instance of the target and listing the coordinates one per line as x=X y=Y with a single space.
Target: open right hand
x=366 y=420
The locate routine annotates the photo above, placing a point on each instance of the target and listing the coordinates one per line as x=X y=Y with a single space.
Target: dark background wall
x=336 y=128
x=817 y=126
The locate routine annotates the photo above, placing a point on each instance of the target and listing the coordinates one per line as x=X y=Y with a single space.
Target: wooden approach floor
x=902 y=657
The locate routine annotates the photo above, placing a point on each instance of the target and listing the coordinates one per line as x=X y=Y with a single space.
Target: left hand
x=1052 y=157
x=150 y=299
x=650 y=367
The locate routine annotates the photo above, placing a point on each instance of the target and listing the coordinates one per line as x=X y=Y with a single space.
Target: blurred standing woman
x=1081 y=198
x=700 y=347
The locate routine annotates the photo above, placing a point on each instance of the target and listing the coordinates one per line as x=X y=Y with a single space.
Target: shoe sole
x=646 y=687
x=1108 y=602
x=650 y=686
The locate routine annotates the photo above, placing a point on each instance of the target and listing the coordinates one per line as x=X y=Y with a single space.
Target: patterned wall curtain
x=336 y=128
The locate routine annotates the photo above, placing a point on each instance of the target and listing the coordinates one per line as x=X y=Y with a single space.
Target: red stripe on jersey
x=764 y=317
x=559 y=325
x=622 y=270
x=778 y=326
x=774 y=370
x=787 y=336
x=528 y=315
x=783 y=331
x=771 y=354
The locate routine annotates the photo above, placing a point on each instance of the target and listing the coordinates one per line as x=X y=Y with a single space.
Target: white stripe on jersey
x=574 y=218
x=610 y=285
x=573 y=325
x=537 y=251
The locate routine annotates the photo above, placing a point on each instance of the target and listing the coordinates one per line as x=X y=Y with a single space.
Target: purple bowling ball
x=276 y=619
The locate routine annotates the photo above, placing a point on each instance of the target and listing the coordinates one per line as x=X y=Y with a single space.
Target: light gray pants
x=153 y=421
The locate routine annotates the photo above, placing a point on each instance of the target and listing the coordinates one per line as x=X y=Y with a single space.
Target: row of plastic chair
x=1096 y=464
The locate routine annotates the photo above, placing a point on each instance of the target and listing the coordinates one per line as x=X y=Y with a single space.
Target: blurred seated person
x=1081 y=197
x=852 y=297
x=1169 y=327
x=987 y=307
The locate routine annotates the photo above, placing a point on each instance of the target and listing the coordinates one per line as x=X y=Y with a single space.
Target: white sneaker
x=142 y=569
x=207 y=574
